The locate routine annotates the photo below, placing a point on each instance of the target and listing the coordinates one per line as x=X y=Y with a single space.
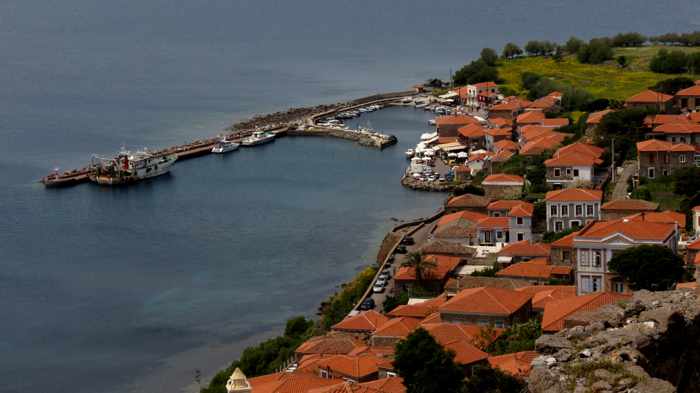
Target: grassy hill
x=603 y=81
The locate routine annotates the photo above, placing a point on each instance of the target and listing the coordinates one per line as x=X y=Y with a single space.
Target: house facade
x=689 y=99
x=503 y=186
x=478 y=95
x=661 y=158
x=572 y=208
x=652 y=100
x=598 y=242
x=573 y=165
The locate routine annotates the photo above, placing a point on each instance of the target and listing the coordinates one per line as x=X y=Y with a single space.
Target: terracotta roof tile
x=419 y=310
x=503 y=155
x=468 y=200
x=297 y=382
x=532 y=132
x=530 y=117
x=493 y=223
x=503 y=179
x=574 y=194
x=506 y=144
x=447 y=248
x=485 y=300
x=455 y=120
x=355 y=367
x=397 y=327
x=556 y=122
x=678 y=128
x=366 y=321
x=566 y=241
x=534 y=269
x=499 y=122
x=525 y=248
x=556 y=312
x=383 y=385
x=652 y=145
x=666 y=216
x=495 y=132
x=654 y=231
x=649 y=97
x=462 y=339
x=462 y=215
x=443 y=266
x=630 y=204
x=328 y=344
x=544 y=143
x=596 y=117
x=472 y=131
x=517 y=364
x=543 y=294
x=692 y=91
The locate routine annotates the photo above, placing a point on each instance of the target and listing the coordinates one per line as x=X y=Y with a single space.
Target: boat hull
x=161 y=168
x=218 y=149
x=254 y=142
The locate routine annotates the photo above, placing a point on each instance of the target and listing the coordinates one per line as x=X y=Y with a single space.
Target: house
x=469 y=202
x=442 y=247
x=498 y=122
x=459 y=227
x=434 y=278
x=508 y=109
x=561 y=314
x=597 y=243
x=361 y=368
x=593 y=120
x=493 y=230
x=523 y=251
x=382 y=385
x=330 y=344
x=620 y=208
x=681 y=132
x=447 y=126
x=689 y=99
x=536 y=271
x=495 y=135
x=572 y=207
x=445 y=332
x=696 y=220
x=281 y=382
x=419 y=310
x=519 y=215
x=661 y=158
x=472 y=135
x=487 y=306
x=562 y=250
x=478 y=160
x=393 y=331
x=456 y=338
x=529 y=118
x=665 y=217
x=480 y=95
x=505 y=144
x=574 y=164
x=502 y=155
x=455 y=285
x=650 y=99
x=547 y=142
x=692 y=257
x=517 y=364
x=365 y=322
x=545 y=294
x=503 y=186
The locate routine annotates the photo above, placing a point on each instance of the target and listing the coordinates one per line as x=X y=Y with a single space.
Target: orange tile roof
x=365 y=321
x=504 y=204
x=459 y=339
x=355 y=367
x=649 y=97
x=572 y=159
x=419 y=310
x=536 y=268
x=696 y=208
x=692 y=91
x=503 y=155
x=485 y=85
x=503 y=179
x=328 y=344
x=472 y=131
x=479 y=156
x=470 y=216
x=632 y=229
x=447 y=332
x=574 y=195
x=556 y=312
x=556 y=122
x=566 y=241
x=545 y=102
x=696 y=260
x=517 y=364
x=443 y=266
x=283 y=382
x=499 y=122
x=630 y=204
x=468 y=200
x=543 y=294
x=532 y=132
x=510 y=104
x=494 y=132
x=397 y=327
x=506 y=144
x=383 y=385
x=525 y=248
x=455 y=120
x=653 y=145
x=493 y=223
x=666 y=216
x=597 y=117
x=547 y=142
x=530 y=117
x=485 y=300
x=687 y=285
x=694 y=117
x=655 y=120
x=581 y=148
x=678 y=128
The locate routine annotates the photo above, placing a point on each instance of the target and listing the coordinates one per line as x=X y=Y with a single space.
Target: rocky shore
x=435 y=186
x=650 y=344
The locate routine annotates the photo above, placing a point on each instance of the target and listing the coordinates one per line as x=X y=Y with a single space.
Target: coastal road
x=620 y=189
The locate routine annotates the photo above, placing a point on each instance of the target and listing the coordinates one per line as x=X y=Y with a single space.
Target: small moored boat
x=225 y=146
x=258 y=138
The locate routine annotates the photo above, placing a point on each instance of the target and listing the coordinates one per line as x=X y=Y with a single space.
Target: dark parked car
x=401 y=249
x=408 y=241
x=368 y=304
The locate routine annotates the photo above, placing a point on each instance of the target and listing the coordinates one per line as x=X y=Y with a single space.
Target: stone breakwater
x=650 y=344
x=434 y=186
x=370 y=139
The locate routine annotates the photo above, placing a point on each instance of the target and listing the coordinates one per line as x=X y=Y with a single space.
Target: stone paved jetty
x=293 y=122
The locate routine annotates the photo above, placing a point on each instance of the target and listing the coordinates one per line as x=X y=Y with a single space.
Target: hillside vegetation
x=601 y=80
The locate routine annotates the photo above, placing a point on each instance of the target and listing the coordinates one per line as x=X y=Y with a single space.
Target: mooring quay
x=295 y=122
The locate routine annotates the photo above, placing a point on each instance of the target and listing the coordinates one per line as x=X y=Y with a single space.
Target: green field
x=603 y=81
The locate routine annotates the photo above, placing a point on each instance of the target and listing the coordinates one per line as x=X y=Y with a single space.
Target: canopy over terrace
x=451 y=146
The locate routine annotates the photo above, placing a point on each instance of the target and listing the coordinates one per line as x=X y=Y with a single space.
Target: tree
x=572 y=45
x=475 y=72
x=420 y=264
x=511 y=50
x=626 y=126
x=529 y=79
x=650 y=267
x=517 y=338
x=687 y=181
x=673 y=85
x=485 y=379
x=622 y=61
x=628 y=40
x=669 y=62
x=694 y=63
x=425 y=366
x=597 y=51
x=489 y=56
x=391 y=302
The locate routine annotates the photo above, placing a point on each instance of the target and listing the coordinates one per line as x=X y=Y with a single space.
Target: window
x=553 y=210
x=519 y=220
x=564 y=210
x=574 y=224
x=566 y=255
x=595 y=284
x=583 y=257
x=586 y=283
x=579 y=210
x=499 y=234
x=665 y=172
x=597 y=258
x=618 y=286
x=496 y=214
x=557 y=172
x=673 y=139
x=589 y=210
x=558 y=226
x=568 y=171
x=499 y=324
x=652 y=158
x=650 y=173
x=575 y=172
x=483 y=322
x=520 y=236
x=682 y=159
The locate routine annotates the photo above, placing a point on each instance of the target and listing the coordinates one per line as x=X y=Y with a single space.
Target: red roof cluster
x=576 y=154
x=655 y=145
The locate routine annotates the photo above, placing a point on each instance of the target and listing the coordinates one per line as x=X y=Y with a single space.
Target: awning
x=451 y=146
x=448 y=95
x=504 y=259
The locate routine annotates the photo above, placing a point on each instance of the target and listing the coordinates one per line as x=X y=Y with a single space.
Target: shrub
x=511 y=50
x=669 y=62
x=673 y=85
x=517 y=338
x=425 y=366
x=650 y=267
x=597 y=51
x=573 y=45
x=485 y=379
x=489 y=56
x=475 y=72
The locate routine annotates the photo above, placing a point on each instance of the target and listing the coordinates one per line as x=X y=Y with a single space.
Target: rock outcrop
x=650 y=344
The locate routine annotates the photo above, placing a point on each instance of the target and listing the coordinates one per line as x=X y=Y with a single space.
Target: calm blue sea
x=133 y=289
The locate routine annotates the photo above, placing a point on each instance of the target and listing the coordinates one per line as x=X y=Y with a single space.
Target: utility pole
x=612 y=160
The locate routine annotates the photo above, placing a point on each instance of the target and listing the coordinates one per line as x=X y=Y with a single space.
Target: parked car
x=385 y=275
x=401 y=249
x=378 y=289
x=390 y=259
x=368 y=304
x=381 y=281
x=408 y=240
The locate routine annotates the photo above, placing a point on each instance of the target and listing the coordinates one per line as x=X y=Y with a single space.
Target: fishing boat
x=258 y=138
x=410 y=153
x=225 y=146
x=128 y=167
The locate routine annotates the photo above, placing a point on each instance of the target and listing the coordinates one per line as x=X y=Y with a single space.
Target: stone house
x=689 y=99
x=562 y=250
x=470 y=202
x=571 y=208
x=486 y=306
x=621 y=208
x=503 y=186
x=652 y=100
x=598 y=242
x=447 y=126
x=681 y=132
x=661 y=158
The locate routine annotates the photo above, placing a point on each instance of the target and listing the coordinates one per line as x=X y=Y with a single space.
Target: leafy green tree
x=687 y=181
x=597 y=51
x=574 y=99
x=488 y=272
x=425 y=366
x=669 y=62
x=485 y=379
x=511 y=50
x=622 y=61
x=628 y=40
x=694 y=63
x=572 y=45
x=650 y=267
x=597 y=105
x=673 y=85
x=626 y=126
x=391 y=302
x=489 y=56
x=550 y=237
x=475 y=72
x=529 y=79
x=422 y=266
x=517 y=338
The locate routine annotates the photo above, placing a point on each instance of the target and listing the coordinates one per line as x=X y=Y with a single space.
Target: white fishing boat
x=225 y=146
x=128 y=167
x=410 y=153
x=258 y=138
